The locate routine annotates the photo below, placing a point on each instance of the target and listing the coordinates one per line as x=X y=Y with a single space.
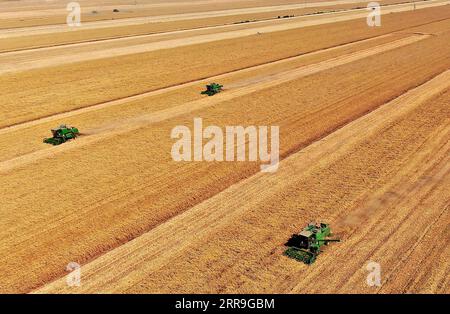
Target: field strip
x=180 y=31
x=396 y=270
x=340 y=16
x=33 y=4
x=266 y=82
x=435 y=237
x=153 y=19
x=121 y=101
x=151 y=252
x=80 y=76
x=400 y=200
x=22 y=61
x=412 y=211
x=182 y=16
x=35 y=12
x=62 y=28
x=151 y=33
x=26 y=60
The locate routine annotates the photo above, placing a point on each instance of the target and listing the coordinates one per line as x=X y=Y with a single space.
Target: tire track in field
x=125 y=265
x=158 y=116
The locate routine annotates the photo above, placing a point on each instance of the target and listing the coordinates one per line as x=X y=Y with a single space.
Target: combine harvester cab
x=61 y=135
x=305 y=246
x=212 y=89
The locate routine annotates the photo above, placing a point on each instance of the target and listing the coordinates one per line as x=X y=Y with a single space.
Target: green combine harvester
x=212 y=89
x=62 y=134
x=305 y=246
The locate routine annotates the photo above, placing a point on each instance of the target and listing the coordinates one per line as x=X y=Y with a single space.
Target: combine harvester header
x=305 y=246
x=212 y=89
x=62 y=134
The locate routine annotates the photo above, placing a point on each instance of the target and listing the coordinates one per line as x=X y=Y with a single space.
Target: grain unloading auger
x=212 y=89
x=306 y=245
x=62 y=134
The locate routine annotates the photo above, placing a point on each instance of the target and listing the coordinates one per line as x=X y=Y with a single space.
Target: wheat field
x=364 y=127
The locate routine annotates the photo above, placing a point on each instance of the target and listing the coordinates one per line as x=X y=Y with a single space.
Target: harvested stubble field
x=364 y=121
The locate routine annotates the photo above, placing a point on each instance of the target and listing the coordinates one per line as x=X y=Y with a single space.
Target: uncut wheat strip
x=113 y=103
x=160 y=36
x=35 y=30
x=48 y=10
x=120 y=264
x=116 y=35
x=174 y=17
x=23 y=60
x=144 y=120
